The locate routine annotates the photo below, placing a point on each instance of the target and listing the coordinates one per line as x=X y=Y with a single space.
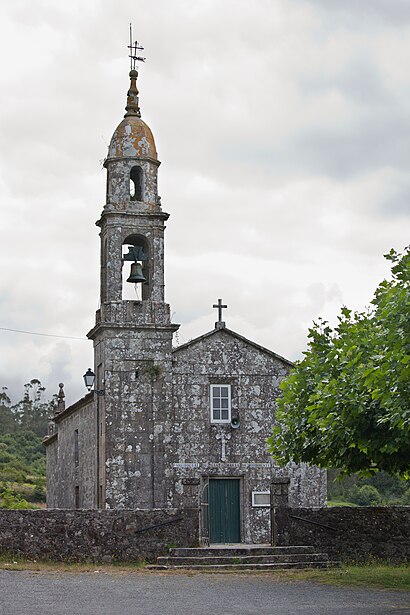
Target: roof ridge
x=195 y=340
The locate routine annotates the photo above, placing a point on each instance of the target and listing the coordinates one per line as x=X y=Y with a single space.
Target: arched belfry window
x=136 y=184
x=136 y=271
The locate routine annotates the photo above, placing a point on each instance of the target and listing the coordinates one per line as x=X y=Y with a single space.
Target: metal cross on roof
x=134 y=47
x=220 y=307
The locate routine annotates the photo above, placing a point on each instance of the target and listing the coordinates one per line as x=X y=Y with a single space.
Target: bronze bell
x=136 y=275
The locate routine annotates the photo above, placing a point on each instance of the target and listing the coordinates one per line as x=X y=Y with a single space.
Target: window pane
x=261 y=499
x=220 y=403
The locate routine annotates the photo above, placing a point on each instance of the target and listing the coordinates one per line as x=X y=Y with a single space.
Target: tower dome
x=132 y=138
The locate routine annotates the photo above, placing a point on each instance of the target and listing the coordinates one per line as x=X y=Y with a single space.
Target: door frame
x=205 y=529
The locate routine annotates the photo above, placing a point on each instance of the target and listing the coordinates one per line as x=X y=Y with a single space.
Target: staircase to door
x=244 y=557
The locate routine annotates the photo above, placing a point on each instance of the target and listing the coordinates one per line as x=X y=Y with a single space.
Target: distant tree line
x=30 y=413
x=22 y=454
x=380 y=489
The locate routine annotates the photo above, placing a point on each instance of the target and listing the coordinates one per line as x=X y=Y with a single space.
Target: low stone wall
x=347 y=533
x=100 y=535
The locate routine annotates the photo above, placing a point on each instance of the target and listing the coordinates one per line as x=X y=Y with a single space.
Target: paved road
x=144 y=593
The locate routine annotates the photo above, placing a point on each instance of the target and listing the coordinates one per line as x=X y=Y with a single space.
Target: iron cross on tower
x=220 y=324
x=134 y=47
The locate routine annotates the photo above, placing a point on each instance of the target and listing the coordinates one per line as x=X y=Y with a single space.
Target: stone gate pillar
x=279 y=498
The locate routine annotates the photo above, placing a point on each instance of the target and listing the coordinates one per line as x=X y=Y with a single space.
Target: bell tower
x=132 y=337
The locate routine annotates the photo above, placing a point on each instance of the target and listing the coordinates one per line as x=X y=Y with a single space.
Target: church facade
x=167 y=427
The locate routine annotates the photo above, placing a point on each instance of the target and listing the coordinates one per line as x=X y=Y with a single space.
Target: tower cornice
x=111 y=159
x=106 y=326
x=121 y=213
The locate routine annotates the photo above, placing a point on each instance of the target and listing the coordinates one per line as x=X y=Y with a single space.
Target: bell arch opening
x=135 y=271
x=136 y=184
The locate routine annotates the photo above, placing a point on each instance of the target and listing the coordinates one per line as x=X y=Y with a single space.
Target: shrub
x=12 y=501
x=405 y=498
x=366 y=495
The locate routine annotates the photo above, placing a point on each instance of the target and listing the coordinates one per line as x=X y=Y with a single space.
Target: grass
x=13 y=562
x=332 y=503
x=376 y=576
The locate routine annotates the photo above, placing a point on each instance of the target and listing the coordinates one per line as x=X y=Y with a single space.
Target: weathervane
x=134 y=48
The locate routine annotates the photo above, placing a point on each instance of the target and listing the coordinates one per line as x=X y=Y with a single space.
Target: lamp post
x=89 y=378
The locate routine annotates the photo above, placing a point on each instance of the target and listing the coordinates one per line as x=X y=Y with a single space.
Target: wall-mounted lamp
x=89 y=378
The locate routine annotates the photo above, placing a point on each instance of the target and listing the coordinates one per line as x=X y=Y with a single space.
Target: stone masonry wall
x=65 y=472
x=347 y=533
x=100 y=535
x=195 y=451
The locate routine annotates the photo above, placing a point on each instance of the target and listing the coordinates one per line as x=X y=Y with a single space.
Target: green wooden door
x=224 y=510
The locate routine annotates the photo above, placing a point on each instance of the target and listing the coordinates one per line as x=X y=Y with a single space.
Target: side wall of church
x=71 y=460
x=254 y=376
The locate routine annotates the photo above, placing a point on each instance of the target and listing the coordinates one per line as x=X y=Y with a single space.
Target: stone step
x=238 y=567
x=211 y=560
x=238 y=551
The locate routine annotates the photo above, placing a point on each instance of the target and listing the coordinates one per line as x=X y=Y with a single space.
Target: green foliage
x=346 y=405
x=9 y=499
x=25 y=445
x=390 y=487
x=22 y=454
x=366 y=495
x=152 y=370
x=39 y=492
x=387 y=490
x=22 y=462
x=371 y=575
x=405 y=499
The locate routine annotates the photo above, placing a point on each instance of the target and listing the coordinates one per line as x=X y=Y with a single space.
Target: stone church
x=167 y=427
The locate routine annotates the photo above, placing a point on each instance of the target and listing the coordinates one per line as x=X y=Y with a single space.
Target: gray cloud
x=396 y=12
x=347 y=151
x=282 y=129
x=395 y=200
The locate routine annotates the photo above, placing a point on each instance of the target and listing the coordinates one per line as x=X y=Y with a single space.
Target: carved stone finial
x=132 y=107
x=60 y=399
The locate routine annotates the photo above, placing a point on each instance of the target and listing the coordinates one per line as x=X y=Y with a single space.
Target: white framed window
x=220 y=403
x=261 y=498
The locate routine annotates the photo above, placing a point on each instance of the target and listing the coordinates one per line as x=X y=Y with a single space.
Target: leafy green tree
x=346 y=405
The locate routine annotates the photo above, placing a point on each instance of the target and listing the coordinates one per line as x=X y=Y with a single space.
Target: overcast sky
x=283 y=131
